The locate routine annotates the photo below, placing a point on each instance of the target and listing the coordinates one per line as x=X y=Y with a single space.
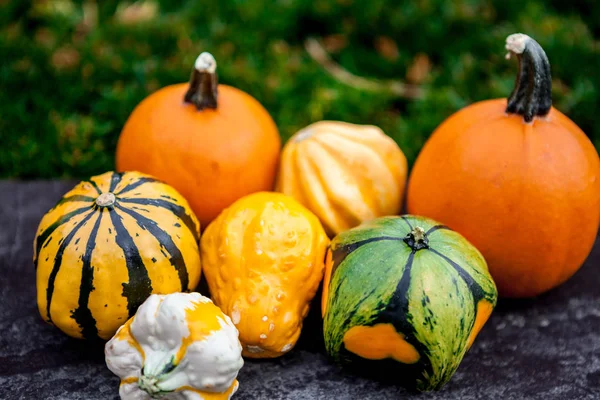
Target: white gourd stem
x=106 y=200
x=417 y=239
x=418 y=233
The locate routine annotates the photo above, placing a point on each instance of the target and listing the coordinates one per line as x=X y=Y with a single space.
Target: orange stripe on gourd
x=378 y=342
x=202 y=319
x=125 y=334
x=313 y=184
x=211 y=395
x=129 y=380
x=286 y=181
x=362 y=161
x=326 y=281
x=484 y=310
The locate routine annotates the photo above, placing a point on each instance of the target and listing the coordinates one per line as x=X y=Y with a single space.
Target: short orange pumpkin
x=518 y=179
x=213 y=143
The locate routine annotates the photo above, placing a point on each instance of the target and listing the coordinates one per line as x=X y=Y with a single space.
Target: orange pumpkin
x=213 y=143
x=518 y=179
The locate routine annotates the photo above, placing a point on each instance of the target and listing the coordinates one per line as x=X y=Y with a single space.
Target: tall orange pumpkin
x=213 y=143
x=519 y=179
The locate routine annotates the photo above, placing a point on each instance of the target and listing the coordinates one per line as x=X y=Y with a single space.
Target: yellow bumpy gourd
x=263 y=259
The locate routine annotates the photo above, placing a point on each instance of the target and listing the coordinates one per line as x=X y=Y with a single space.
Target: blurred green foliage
x=71 y=72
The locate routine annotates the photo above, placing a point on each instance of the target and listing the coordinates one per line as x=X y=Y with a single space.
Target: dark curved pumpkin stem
x=532 y=95
x=417 y=239
x=203 y=83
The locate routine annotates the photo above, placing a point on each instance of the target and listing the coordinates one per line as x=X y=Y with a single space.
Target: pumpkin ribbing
x=344 y=173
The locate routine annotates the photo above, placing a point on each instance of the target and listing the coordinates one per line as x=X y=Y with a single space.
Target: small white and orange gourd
x=177 y=347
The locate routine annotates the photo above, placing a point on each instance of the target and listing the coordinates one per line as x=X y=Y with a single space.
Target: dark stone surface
x=543 y=348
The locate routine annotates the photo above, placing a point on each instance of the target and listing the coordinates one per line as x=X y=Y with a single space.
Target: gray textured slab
x=546 y=348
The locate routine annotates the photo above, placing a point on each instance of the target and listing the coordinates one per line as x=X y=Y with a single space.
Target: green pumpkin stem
x=417 y=239
x=532 y=95
x=203 y=83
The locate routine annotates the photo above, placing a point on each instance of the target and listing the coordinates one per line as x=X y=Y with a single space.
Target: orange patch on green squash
x=484 y=309
x=326 y=281
x=378 y=342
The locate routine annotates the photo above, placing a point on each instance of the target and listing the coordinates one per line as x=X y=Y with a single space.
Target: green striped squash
x=404 y=297
x=106 y=246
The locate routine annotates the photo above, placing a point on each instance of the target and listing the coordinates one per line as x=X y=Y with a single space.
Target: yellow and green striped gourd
x=107 y=245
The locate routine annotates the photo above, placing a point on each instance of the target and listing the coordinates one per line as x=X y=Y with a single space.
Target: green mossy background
x=72 y=71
